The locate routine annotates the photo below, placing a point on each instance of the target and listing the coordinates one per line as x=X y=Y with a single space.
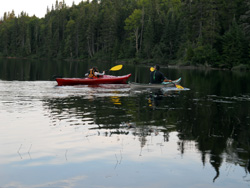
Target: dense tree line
x=207 y=32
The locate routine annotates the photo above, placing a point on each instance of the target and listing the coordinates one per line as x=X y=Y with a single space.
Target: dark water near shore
x=112 y=136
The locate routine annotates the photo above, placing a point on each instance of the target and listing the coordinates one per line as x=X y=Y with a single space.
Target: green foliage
x=148 y=39
x=133 y=26
x=205 y=55
x=190 y=54
x=133 y=21
x=234 y=46
x=197 y=32
x=245 y=21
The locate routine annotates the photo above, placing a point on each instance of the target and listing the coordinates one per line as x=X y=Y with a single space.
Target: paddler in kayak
x=157 y=77
x=94 y=73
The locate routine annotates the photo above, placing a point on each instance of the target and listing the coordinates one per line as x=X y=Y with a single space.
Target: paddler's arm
x=167 y=80
x=99 y=74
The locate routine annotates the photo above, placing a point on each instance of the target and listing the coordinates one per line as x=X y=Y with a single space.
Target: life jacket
x=91 y=73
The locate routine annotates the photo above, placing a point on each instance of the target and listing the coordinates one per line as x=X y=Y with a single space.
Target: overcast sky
x=32 y=7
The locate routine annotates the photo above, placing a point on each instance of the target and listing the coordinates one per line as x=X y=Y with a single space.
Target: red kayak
x=105 y=79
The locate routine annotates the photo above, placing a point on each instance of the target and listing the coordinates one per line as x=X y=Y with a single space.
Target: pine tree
x=245 y=20
x=234 y=46
x=108 y=32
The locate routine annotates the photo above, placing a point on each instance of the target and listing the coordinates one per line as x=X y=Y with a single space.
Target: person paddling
x=157 y=77
x=94 y=73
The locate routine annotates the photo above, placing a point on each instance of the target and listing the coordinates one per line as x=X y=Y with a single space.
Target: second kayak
x=134 y=85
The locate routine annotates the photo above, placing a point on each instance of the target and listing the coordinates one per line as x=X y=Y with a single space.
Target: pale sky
x=37 y=7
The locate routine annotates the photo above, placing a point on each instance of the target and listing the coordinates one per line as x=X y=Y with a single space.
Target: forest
x=211 y=33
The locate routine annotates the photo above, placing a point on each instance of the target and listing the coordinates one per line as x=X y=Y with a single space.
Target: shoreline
x=241 y=67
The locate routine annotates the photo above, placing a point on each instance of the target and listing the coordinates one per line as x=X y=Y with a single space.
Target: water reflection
x=217 y=126
x=155 y=98
x=112 y=133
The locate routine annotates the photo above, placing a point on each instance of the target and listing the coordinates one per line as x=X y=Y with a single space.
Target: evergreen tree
x=245 y=20
x=148 y=39
x=69 y=43
x=195 y=31
x=108 y=32
x=234 y=46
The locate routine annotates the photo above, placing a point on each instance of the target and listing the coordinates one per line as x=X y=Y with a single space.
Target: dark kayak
x=134 y=85
x=105 y=79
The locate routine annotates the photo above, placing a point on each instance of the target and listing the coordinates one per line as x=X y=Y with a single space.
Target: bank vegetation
x=209 y=33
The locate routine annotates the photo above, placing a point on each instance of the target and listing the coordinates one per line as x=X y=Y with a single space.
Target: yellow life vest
x=91 y=73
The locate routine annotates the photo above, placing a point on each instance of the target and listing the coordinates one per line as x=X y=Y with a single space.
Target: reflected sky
x=44 y=144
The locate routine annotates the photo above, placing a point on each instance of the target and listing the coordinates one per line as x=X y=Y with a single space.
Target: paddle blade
x=179 y=86
x=152 y=69
x=116 y=68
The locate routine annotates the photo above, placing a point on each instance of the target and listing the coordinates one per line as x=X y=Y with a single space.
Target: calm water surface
x=112 y=136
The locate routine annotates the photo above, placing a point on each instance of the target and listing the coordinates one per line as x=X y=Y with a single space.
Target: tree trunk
x=137 y=40
x=142 y=26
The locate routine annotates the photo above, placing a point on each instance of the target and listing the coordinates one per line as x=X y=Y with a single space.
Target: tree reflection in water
x=212 y=119
x=218 y=126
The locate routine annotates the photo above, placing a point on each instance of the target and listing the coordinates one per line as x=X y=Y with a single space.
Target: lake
x=112 y=136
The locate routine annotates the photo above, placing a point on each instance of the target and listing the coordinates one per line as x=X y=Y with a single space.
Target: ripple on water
x=225 y=99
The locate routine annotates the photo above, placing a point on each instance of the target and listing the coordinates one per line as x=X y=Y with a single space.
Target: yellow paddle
x=176 y=85
x=116 y=68
x=179 y=86
x=152 y=69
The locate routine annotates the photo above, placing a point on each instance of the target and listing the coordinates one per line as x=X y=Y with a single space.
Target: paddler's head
x=157 y=67
x=95 y=69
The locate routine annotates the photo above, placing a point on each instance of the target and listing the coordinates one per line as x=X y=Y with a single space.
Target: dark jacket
x=156 y=77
